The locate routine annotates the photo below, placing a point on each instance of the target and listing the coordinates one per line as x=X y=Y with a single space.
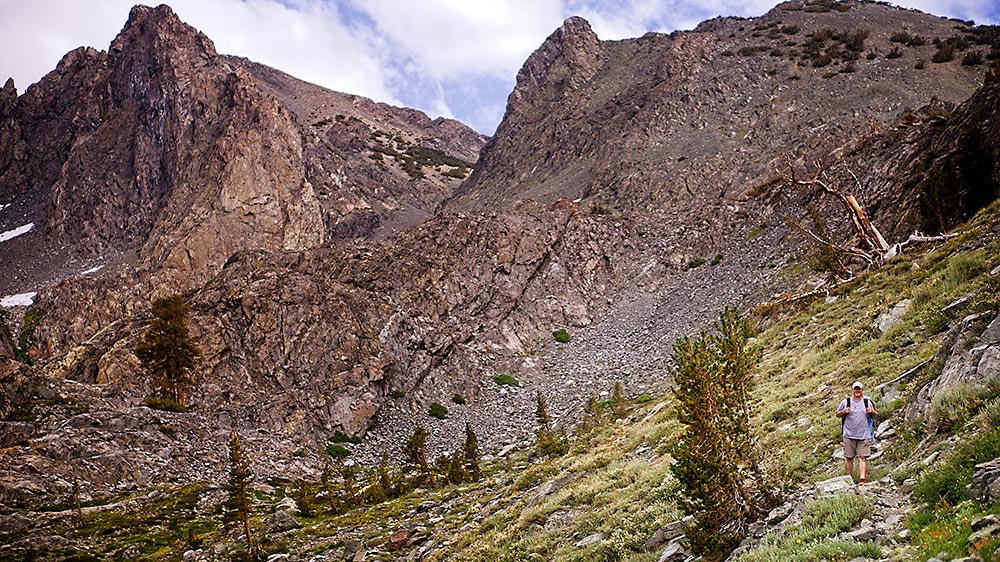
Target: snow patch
x=2 y=206
x=24 y=299
x=94 y=269
x=5 y=236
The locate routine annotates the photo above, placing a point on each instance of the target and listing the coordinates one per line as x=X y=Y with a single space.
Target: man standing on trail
x=854 y=413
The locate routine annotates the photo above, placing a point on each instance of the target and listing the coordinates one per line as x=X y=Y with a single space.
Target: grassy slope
x=619 y=479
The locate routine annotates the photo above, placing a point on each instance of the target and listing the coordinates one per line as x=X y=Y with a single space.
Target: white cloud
x=449 y=38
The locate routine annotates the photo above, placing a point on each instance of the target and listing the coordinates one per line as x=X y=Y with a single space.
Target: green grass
x=438 y=410
x=812 y=540
x=947 y=482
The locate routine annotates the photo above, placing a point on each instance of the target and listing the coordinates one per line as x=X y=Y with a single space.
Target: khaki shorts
x=857 y=448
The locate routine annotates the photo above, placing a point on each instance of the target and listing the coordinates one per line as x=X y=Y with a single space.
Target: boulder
x=834 y=485
x=590 y=539
x=280 y=522
x=893 y=316
x=667 y=533
x=399 y=539
x=673 y=553
x=985 y=485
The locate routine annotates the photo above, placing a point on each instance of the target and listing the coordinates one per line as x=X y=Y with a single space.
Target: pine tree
x=471 y=454
x=415 y=449
x=303 y=499
x=542 y=417
x=717 y=460
x=456 y=469
x=619 y=407
x=593 y=415
x=350 y=496
x=167 y=352
x=237 y=507
x=547 y=441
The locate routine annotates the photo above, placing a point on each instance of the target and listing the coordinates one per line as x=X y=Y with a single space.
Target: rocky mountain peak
x=569 y=57
x=159 y=26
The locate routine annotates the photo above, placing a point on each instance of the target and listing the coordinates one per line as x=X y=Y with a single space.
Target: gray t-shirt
x=856 y=423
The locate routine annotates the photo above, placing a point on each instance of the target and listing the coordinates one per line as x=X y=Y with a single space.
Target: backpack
x=872 y=424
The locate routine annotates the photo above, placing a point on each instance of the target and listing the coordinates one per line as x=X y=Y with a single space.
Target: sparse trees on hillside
x=718 y=464
x=167 y=351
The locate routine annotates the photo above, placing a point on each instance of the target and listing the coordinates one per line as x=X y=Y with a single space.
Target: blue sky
x=456 y=58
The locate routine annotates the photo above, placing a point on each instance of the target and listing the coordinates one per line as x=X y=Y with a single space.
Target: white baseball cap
x=857 y=384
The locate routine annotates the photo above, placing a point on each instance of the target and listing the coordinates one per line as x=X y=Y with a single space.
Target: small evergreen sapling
x=237 y=508
x=415 y=449
x=471 y=453
x=547 y=441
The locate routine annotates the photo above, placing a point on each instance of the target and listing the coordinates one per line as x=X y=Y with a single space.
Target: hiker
x=855 y=413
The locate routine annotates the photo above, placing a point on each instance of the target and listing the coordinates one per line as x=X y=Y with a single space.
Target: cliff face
x=159 y=146
x=684 y=122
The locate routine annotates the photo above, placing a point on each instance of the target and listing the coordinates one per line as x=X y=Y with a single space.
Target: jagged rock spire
x=569 y=57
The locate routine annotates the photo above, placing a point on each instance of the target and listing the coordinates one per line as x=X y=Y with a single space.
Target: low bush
x=337 y=451
x=811 y=540
x=163 y=404
x=952 y=409
x=341 y=437
x=561 y=335
x=458 y=399
x=944 y=53
x=907 y=39
x=505 y=380
x=437 y=410
x=975 y=58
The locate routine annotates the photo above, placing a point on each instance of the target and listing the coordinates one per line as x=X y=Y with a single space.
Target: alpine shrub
x=561 y=335
x=437 y=410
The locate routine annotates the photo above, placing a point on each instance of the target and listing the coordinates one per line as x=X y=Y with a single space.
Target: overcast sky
x=456 y=58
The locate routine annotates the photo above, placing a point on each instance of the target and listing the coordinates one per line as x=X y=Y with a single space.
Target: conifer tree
x=717 y=460
x=237 y=507
x=302 y=498
x=593 y=415
x=167 y=351
x=471 y=454
x=456 y=468
x=547 y=441
x=619 y=407
x=349 y=475
x=542 y=417
x=415 y=449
